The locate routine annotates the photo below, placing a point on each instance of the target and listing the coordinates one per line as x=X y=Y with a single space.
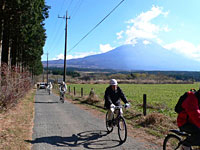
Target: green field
x=162 y=97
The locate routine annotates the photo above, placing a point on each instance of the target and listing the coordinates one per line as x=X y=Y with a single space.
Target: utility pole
x=47 y=69
x=65 y=51
x=43 y=75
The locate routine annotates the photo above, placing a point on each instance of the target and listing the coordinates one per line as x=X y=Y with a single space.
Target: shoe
x=183 y=147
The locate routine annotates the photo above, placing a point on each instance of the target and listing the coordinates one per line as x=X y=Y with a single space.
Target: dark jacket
x=113 y=97
x=191 y=112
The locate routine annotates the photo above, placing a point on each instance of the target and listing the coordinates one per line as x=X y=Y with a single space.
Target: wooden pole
x=74 y=91
x=81 y=92
x=145 y=104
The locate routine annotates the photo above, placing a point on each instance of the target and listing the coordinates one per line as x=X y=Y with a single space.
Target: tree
x=23 y=34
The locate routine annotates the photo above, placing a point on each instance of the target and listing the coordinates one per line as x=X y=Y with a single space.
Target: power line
x=96 y=25
x=76 y=8
x=69 y=5
x=54 y=38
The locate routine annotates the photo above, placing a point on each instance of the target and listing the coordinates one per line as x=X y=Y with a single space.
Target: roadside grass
x=161 y=100
x=16 y=124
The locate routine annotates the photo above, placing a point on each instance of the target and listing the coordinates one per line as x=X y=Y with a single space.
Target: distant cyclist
x=112 y=97
x=62 y=89
x=49 y=87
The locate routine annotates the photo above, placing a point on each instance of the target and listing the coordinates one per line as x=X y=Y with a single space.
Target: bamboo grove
x=22 y=33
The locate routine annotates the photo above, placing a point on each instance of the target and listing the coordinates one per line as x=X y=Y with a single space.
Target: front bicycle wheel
x=171 y=142
x=109 y=128
x=122 y=129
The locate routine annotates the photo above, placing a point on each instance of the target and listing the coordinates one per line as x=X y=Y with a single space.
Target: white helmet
x=113 y=82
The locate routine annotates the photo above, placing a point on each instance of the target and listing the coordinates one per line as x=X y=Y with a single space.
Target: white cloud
x=84 y=54
x=145 y=42
x=142 y=27
x=166 y=29
x=119 y=35
x=60 y=56
x=159 y=41
x=105 y=48
x=70 y=57
x=76 y=55
x=186 y=48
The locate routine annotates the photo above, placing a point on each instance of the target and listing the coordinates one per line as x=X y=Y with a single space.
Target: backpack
x=178 y=107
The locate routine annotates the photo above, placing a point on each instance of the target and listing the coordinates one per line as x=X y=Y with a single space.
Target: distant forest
x=59 y=71
x=107 y=73
x=178 y=75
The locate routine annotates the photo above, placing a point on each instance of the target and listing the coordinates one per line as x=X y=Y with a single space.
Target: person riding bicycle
x=50 y=86
x=188 y=119
x=63 y=89
x=112 y=97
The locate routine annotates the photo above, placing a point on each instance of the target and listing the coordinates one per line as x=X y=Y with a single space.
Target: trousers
x=112 y=113
x=194 y=139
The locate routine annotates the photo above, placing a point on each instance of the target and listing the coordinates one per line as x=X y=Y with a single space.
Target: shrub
x=13 y=85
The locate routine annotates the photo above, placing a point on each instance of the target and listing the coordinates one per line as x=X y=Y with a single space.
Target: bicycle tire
x=122 y=129
x=171 y=142
x=109 y=129
x=62 y=100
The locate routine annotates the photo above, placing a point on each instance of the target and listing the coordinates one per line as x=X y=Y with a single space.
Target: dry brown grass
x=158 y=122
x=16 y=124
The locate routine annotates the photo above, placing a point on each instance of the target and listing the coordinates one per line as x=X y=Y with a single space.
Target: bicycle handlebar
x=121 y=106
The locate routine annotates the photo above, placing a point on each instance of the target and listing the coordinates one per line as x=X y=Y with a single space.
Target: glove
x=112 y=106
x=127 y=105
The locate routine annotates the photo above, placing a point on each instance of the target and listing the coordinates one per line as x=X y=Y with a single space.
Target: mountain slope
x=137 y=57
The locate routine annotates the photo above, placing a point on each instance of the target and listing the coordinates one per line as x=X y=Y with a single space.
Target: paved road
x=65 y=126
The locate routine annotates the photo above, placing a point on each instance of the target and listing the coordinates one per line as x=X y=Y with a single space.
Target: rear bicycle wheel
x=62 y=100
x=171 y=142
x=122 y=129
x=63 y=97
x=109 y=128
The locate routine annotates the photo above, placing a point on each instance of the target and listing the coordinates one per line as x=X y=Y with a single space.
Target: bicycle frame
x=116 y=119
x=181 y=136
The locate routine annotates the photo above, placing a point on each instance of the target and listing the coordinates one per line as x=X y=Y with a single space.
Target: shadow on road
x=47 y=102
x=87 y=139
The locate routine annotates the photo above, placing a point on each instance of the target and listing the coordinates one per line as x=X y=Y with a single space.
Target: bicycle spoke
x=109 y=128
x=122 y=130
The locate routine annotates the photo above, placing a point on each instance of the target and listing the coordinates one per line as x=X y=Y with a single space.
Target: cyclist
x=188 y=120
x=63 y=89
x=49 y=87
x=112 y=97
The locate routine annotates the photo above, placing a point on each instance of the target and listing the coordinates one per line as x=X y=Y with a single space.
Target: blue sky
x=174 y=24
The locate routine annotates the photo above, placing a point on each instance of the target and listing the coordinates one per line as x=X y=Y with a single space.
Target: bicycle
x=118 y=121
x=62 y=96
x=174 y=140
x=49 y=90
